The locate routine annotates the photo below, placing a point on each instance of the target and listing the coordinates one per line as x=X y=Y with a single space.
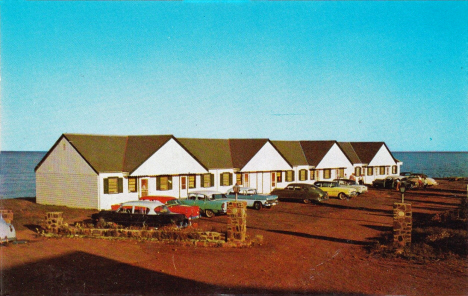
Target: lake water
x=435 y=164
x=17 y=177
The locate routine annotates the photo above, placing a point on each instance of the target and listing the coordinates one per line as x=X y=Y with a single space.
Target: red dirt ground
x=307 y=249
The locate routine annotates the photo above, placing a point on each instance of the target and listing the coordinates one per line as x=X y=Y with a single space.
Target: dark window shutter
x=120 y=185
x=169 y=182
x=202 y=180
x=106 y=186
x=211 y=180
x=158 y=183
x=230 y=179
x=292 y=176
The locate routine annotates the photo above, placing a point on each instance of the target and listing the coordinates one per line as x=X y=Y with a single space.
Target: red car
x=174 y=205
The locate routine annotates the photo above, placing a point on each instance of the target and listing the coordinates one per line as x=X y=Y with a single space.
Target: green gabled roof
x=315 y=151
x=292 y=152
x=348 y=149
x=102 y=153
x=242 y=150
x=140 y=148
x=211 y=153
x=366 y=151
x=116 y=153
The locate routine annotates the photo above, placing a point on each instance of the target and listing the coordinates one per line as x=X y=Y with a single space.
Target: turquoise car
x=205 y=200
x=253 y=199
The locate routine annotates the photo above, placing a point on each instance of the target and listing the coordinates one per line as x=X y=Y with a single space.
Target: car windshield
x=173 y=202
x=141 y=210
x=125 y=209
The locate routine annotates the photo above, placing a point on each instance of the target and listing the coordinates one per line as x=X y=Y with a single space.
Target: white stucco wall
x=107 y=200
x=171 y=159
x=382 y=158
x=265 y=160
x=335 y=158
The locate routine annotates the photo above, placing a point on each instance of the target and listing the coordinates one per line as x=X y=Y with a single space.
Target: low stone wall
x=54 y=226
x=402 y=224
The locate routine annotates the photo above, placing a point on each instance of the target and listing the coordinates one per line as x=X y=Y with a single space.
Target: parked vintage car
x=306 y=193
x=175 y=206
x=352 y=183
x=208 y=205
x=422 y=180
x=391 y=182
x=405 y=174
x=7 y=231
x=334 y=189
x=141 y=213
x=253 y=199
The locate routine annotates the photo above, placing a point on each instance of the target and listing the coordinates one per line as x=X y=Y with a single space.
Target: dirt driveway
x=307 y=249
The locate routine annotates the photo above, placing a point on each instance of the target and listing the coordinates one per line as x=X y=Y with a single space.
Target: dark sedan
x=306 y=193
x=141 y=213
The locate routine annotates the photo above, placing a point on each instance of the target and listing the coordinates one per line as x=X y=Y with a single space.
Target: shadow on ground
x=80 y=273
x=321 y=237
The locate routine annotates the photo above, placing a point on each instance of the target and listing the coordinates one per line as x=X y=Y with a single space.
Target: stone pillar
x=54 y=220
x=236 y=221
x=402 y=224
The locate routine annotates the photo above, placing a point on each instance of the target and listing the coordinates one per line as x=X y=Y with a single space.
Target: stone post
x=402 y=224
x=236 y=221
x=54 y=220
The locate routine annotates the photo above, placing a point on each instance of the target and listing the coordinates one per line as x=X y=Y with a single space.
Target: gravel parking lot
x=312 y=249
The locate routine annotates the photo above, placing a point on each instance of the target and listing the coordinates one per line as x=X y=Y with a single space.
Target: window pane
x=289 y=176
x=192 y=181
x=303 y=175
x=207 y=180
x=164 y=185
x=279 y=176
x=238 y=178
x=132 y=185
x=113 y=185
x=225 y=179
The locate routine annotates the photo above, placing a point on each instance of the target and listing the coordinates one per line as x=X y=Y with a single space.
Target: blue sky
x=311 y=70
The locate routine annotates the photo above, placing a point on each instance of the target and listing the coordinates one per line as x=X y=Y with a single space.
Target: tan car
x=334 y=189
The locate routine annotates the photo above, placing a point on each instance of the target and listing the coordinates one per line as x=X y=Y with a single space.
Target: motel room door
x=144 y=187
x=183 y=191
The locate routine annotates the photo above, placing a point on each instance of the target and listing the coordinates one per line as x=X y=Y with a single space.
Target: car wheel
x=209 y=213
x=257 y=205
x=306 y=201
x=342 y=196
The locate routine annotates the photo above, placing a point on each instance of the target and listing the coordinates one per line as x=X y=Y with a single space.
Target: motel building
x=97 y=171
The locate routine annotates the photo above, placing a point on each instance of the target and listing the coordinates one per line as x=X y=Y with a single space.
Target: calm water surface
x=435 y=164
x=17 y=177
